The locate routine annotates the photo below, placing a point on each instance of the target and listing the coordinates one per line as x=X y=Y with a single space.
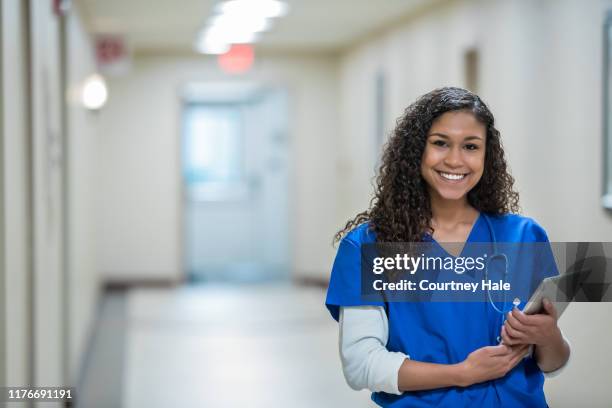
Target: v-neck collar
x=470 y=237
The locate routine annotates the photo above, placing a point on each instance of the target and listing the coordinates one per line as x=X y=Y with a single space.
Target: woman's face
x=453 y=160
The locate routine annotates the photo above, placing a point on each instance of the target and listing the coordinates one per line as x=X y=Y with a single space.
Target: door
x=235 y=183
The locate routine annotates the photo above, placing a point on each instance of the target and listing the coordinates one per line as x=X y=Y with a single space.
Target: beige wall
x=83 y=281
x=139 y=191
x=535 y=69
x=41 y=302
x=15 y=181
x=540 y=73
x=47 y=197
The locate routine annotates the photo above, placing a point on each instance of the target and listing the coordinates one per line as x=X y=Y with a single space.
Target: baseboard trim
x=311 y=281
x=128 y=284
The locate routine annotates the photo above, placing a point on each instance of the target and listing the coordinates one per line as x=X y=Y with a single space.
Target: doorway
x=235 y=183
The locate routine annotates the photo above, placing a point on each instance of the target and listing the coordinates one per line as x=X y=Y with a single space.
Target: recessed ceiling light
x=211 y=47
x=240 y=22
x=263 y=8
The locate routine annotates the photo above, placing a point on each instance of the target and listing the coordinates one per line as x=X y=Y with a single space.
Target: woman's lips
x=452 y=177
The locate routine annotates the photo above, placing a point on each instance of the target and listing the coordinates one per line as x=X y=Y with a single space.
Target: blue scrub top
x=444 y=332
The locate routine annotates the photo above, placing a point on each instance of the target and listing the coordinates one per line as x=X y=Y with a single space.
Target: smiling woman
x=443 y=178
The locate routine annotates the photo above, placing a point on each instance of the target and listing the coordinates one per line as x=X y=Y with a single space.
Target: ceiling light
x=232 y=22
x=211 y=47
x=229 y=35
x=262 y=8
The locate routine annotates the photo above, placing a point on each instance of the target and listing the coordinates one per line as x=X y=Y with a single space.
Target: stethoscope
x=504 y=259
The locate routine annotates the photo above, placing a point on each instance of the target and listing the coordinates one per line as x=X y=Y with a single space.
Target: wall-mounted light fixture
x=94 y=93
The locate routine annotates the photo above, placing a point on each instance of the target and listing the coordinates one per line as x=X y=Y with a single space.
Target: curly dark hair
x=400 y=210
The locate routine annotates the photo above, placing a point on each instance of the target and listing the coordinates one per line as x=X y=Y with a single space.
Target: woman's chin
x=452 y=195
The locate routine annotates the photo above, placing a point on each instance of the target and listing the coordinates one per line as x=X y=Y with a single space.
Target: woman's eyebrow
x=442 y=135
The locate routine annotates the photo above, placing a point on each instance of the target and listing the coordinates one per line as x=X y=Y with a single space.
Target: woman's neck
x=451 y=212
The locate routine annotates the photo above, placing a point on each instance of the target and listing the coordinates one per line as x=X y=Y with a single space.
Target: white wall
x=48 y=365
x=138 y=188
x=83 y=281
x=540 y=73
x=536 y=68
x=15 y=194
x=47 y=198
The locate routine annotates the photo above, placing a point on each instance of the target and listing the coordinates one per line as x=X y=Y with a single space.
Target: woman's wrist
x=552 y=355
x=461 y=374
x=554 y=340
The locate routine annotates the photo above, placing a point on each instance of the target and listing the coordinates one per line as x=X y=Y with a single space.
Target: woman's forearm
x=416 y=375
x=483 y=364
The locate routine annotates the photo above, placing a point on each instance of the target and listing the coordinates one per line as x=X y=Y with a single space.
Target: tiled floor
x=266 y=345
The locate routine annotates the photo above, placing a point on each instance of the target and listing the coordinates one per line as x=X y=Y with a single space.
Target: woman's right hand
x=491 y=362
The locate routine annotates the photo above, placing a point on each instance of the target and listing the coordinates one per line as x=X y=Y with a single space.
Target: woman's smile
x=452 y=177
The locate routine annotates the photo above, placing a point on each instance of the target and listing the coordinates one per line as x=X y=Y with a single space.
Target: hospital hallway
x=176 y=175
x=252 y=345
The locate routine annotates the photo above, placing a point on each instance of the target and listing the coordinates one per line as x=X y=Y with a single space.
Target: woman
x=443 y=178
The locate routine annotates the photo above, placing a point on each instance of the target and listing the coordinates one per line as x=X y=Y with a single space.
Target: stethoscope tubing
x=490 y=259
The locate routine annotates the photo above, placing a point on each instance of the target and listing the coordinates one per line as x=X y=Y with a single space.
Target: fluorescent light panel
x=238 y=22
x=261 y=8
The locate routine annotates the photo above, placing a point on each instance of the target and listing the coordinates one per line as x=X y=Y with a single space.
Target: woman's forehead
x=457 y=124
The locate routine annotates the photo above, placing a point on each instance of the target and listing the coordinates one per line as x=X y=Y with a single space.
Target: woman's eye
x=439 y=143
x=471 y=147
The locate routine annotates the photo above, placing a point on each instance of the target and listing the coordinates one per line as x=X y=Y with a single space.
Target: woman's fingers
x=507 y=339
x=516 y=319
x=518 y=356
x=521 y=318
x=513 y=332
x=518 y=352
x=550 y=308
x=491 y=362
x=522 y=349
x=499 y=350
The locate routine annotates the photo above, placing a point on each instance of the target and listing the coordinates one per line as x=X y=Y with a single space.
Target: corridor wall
x=83 y=282
x=51 y=286
x=540 y=71
x=47 y=183
x=17 y=266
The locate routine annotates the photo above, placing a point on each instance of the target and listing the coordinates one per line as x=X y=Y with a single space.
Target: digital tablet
x=560 y=290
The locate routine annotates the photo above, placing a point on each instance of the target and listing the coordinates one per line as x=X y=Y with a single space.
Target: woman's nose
x=453 y=158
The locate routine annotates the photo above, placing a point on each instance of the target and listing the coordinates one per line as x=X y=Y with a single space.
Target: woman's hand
x=491 y=362
x=539 y=329
x=551 y=350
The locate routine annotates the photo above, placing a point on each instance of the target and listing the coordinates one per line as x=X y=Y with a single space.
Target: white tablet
x=560 y=290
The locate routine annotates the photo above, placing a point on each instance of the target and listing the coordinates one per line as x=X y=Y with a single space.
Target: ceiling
x=310 y=26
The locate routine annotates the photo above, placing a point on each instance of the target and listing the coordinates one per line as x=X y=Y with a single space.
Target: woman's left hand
x=539 y=329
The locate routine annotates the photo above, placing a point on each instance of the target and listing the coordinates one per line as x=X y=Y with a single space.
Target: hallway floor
x=266 y=345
